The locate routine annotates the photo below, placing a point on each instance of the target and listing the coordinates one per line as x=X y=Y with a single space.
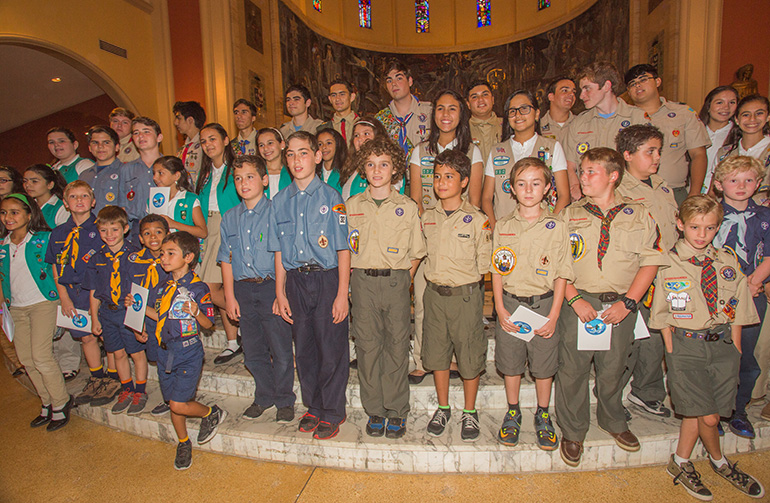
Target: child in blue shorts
x=182 y=306
x=107 y=283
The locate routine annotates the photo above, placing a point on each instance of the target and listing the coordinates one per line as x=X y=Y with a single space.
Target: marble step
x=233 y=379
x=264 y=439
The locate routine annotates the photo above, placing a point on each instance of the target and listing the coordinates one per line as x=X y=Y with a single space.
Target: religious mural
x=600 y=33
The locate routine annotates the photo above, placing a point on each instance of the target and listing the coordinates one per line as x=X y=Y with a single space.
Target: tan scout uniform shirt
x=417 y=128
x=336 y=123
x=551 y=129
x=632 y=245
x=682 y=130
x=590 y=130
x=459 y=246
x=384 y=237
x=679 y=301
x=659 y=201
x=249 y=148
x=128 y=151
x=310 y=125
x=485 y=134
x=191 y=154
x=535 y=254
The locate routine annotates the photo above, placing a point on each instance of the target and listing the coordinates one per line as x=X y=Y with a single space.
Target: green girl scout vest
x=34 y=255
x=227 y=197
x=426 y=173
x=49 y=212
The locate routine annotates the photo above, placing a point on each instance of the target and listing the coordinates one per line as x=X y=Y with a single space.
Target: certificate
x=135 y=312
x=594 y=335
x=159 y=200
x=528 y=321
x=8 y=326
x=80 y=321
x=640 y=328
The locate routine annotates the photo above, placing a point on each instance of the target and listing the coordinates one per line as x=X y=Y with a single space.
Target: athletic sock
x=513 y=406
x=184 y=440
x=679 y=460
x=97 y=372
x=58 y=414
x=113 y=374
x=211 y=409
x=542 y=410
x=718 y=463
x=139 y=387
x=129 y=385
x=470 y=411
x=232 y=345
x=444 y=407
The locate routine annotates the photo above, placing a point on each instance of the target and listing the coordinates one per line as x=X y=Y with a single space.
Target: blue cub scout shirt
x=100 y=269
x=85 y=243
x=245 y=234
x=199 y=291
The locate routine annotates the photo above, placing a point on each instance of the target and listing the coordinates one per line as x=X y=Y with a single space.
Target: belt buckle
x=112 y=307
x=258 y=280
x=444 y=291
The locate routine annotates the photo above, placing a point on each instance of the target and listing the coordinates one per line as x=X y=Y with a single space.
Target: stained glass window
x=365 y=13
x=542 y=4
x=422 y=16
x=484 y=12
x=317 y=5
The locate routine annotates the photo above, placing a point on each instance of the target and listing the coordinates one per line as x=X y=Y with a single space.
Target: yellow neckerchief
x=115 y=275
x=71 y=249
x=165 y=302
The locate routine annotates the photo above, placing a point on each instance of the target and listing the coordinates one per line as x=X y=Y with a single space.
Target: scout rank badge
x=130 y=195
x=110 y=197
x=504 y=260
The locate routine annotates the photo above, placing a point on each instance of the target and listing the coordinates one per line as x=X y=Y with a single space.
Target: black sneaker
x=43 y=418
x=183 y=459
x=210 y=424
x=226 y=355
x=655 y=408
x=741 y=480
x=327 y=430
x=308 y=422
x=396 y=428
x=160 y=409
x=437 y=425
x=470 y=426
x=509 y=431
x=546 y=433
x=284 y=414
x=254 y=411
x=375 y=427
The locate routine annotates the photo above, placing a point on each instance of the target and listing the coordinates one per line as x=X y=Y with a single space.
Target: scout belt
x=534 y=299
x=257 y=280
x=604 y=296
x=449 y=291
x=377 y=272
x=307 y=268
x=711 y=335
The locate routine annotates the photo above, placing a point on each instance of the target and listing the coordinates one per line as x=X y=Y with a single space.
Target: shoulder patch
x=339 y=208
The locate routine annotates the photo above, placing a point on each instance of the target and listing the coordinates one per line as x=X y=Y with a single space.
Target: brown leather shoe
x=570 y=452
x=626 y=441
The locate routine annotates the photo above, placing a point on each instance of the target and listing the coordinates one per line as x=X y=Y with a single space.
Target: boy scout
x=486 y=126
x=459 y=247
x=341 y=97
x=189 y=118
x=312 y=272
x=386 y=243
x=64 y=147
x=120 y=122
x=605 y=115
x=248 y=277
x=561 y=99
x=615 y=254
x=136 y=176
x=683 y=132
x=103 y=145
x=641 y=146
x=297 y=104
x=245 y=113
x=700 y=303
x=534 y=277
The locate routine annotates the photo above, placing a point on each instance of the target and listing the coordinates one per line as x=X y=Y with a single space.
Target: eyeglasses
x=522 y=110
x=638 y=82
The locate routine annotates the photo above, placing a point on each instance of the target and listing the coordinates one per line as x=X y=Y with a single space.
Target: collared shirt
x=552 y=129
x=128 y=151
x=459 y=245
x=388 y=236
x=521 y=150
x=100 y=269
x=682 y=131
x=244 y=238
x=135 y=183
x=310 y=125
x=24 y=290
x=659 y=201
x=191 y=154
x=745 y=234
x=336 y=123
x=245 y=146
x=106 y=185
x=755 y=150
x=144 y=269
x=86 y=245
x=633 y=244
x=310 y=225
x=530 y=256
x=200 y=293
x=589 y=130
x=485 y=133
x=417 y=123
x=678 y=300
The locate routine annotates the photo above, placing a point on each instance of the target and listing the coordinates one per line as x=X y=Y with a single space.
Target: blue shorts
x=181 y=382
x=81 y=298
x=115 y=334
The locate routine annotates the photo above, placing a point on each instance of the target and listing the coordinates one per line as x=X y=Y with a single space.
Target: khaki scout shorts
x=453 y=324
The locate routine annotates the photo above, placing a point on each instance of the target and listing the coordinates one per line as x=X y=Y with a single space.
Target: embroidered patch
x=524 y=328
x=501 y=160
x=582 y=147
x=628 y=211
x=504 y=260
x=467 y=219
x=625 y=123
x=678 y=301
x=210 y=312
x=114 y=176
x=92 y=235
x=188 y=328
x=426 y=161
x=422 y=117
x=682 y=316
x=550 y=224
x=110 y=197
x=400 y=212
x=729 y=309
x=507 y=186
x=3 y=254
x=131 y=194
x=392 y=250
x=339 y=208
x=665 y=189
x=674 y=145
x=425 y=200
x=353 y=241
x=544 y=260
x=206 y=299
x=52 y=293
x=324 y=209
x=727 y=273
x=765 y=225
x=541 y=272
x=133 y=257
x=486 y=226
x=676 y=284
x=675 y=132
x=671 y=115
x=577 y=246
x=323 y=241
x=342 y=219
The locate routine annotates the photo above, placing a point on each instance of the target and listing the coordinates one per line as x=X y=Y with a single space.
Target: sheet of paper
x=135 y=313
x=81 y=321
x=159 y=199
x=640 y=329
x=8 y=326
x=594 y=335
x=528 y=321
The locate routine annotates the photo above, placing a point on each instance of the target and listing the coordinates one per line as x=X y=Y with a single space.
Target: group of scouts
x=590 y=221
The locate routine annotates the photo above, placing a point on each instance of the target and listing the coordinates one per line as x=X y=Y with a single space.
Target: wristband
x=574 y=299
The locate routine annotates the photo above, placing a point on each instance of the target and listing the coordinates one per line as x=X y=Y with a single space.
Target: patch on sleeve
x=339 y=208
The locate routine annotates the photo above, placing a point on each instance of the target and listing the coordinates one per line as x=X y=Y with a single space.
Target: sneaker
x=109 y=389
x=124 y=401
x=308 y=422
x=437 y=424
x=546 y=433
x=89 y=390
x=470 y=426
x=210 y=424
x=655 y=408
x=226 y=355
x=284 y=414
x=254 y=411
x=138 y=403
x=509 y=431
x=327 y=430
x=689 y=478
x=183 y=459
x=742 y=481
x=160 y=409
x=396 y=427
x=375 y=427
x=740 y=425
x=43 y=418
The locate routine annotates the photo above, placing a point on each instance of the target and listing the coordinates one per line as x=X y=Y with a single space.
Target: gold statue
x=745 y=85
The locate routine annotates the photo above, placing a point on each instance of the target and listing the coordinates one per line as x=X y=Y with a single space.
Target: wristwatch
x=630 y=304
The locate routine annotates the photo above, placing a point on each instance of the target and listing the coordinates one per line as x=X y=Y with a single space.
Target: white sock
x=718 y=463
x=233 y=344
x=45 y=410
x=680 y=461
